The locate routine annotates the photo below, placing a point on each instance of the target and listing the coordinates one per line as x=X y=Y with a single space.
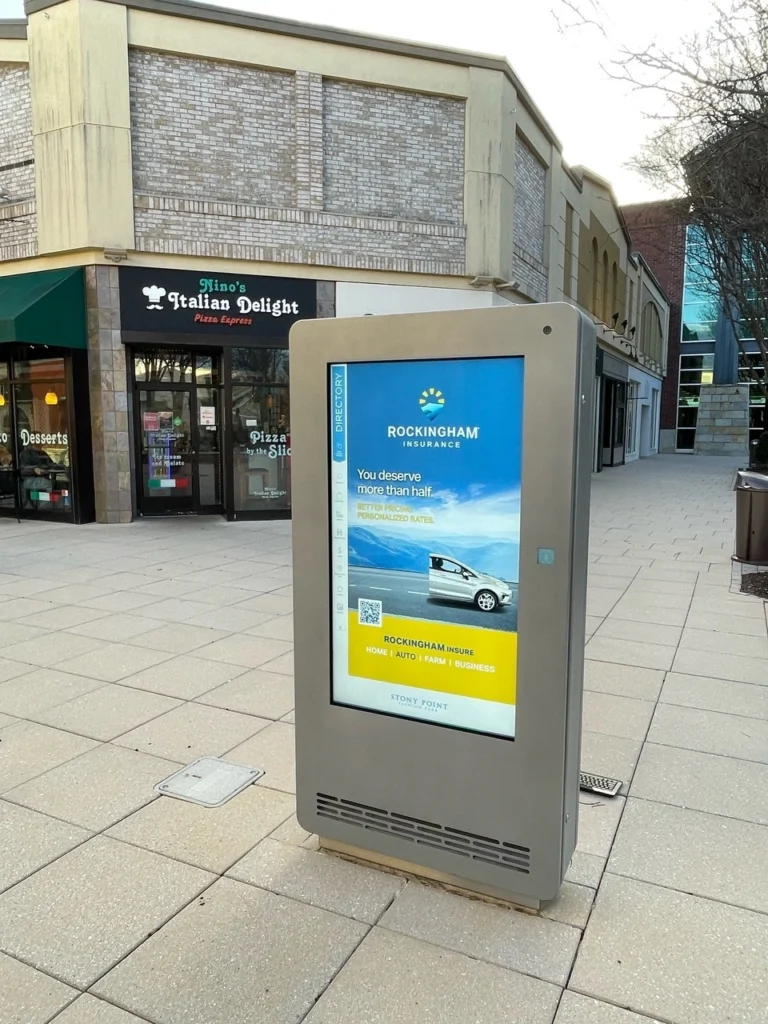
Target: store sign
x=425 y=510
x=183 y=302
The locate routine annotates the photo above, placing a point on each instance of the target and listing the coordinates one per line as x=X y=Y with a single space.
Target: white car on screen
x=454 y=581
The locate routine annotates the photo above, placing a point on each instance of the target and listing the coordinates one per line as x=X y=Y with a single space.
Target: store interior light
x=51 y=398
x=2 y=401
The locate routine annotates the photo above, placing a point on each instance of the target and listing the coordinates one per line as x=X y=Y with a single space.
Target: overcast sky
x=600 y=122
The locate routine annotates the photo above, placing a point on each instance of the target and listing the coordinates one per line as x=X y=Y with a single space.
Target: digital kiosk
x=441 y=474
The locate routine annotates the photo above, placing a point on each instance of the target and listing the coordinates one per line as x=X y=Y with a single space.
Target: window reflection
x=262 y=448
x=43 y=446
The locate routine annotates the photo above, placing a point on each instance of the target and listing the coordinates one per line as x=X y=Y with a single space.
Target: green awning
x=47 y=308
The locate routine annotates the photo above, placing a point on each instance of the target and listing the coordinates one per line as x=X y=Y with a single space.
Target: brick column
x=112 y=469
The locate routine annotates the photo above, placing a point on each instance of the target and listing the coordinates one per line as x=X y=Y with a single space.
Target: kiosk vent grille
x=426 y=833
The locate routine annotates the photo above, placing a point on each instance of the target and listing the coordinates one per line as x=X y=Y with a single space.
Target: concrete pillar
x=81 y=126
x=489 y=174
x=722 y=426
x=112 y=468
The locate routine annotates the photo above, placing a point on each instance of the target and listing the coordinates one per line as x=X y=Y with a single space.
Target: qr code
x=369 y=612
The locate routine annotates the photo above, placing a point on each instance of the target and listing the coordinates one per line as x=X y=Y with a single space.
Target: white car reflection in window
x=453 y=581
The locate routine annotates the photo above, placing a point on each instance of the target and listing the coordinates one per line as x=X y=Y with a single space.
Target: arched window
x=614 y=305
x=651 y=340
x=595 y=281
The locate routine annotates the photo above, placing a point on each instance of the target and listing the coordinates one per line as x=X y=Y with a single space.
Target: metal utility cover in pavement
x=209 y=781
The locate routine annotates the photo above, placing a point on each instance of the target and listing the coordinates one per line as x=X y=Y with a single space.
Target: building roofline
x=585 y=172
x=646 y=266
x=327 y=34
x=13 y=28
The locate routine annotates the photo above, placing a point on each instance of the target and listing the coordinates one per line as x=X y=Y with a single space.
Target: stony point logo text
x=215 y=300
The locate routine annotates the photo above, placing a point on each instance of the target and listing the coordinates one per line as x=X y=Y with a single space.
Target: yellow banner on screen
x=442 y=656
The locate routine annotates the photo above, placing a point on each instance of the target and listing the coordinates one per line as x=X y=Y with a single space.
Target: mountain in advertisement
x=388 y=551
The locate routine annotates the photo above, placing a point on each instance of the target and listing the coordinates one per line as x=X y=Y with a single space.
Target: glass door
x=166 y=451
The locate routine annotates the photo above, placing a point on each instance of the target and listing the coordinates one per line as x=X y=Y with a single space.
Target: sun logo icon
x=432 y=402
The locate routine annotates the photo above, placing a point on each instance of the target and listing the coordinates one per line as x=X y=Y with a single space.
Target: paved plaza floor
x=127 y=651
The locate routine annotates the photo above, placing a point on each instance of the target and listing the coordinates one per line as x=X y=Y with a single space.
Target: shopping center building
x=179 y=184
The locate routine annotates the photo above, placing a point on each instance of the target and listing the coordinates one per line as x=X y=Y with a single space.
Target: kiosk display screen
x=425 y=467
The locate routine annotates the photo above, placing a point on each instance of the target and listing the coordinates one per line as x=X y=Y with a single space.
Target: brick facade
x=658 y=232
x=529 y=257
x=18 y=223
x=393 y=154
x=258 y=165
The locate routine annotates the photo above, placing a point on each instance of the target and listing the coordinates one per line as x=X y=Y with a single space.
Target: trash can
x=751 y=517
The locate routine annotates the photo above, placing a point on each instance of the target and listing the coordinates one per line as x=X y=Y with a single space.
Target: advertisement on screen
x=425 y=466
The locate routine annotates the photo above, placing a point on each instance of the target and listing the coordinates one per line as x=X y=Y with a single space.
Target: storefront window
x=7 y=480
x=163 y=366
x=38 y=369
x=260 y=365
x=261 y=448
x=42 y=438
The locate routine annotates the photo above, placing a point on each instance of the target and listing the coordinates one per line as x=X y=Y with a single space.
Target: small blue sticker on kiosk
x=546 y=556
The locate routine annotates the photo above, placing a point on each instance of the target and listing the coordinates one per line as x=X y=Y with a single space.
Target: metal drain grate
x=426 y=833
x=599 y=784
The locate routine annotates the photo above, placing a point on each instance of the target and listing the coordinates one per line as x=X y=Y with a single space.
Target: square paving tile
x=268 y=695
x=320 y=879
x=89 y=1010
x=191 y=731
x=725 y=643
x=598 y=820
x=184 y=677
x=616 y=716
x=50 y=648
x=239 y=955
x=572 y=905
x=107 y=712
x=509 y=938
x=240 y=649
x=112 y=662
x=114 y=628
x=12 y=669
x=705 y=782
x=172 y=609
x=63 y=616
x=283 y=664
x=636 y=611
x=29 y=749
x=384 y=982
x=42 y=688
x=232 y=619
x=623 y=680
x=122 y=601
x=29 y=840
x=630 y=652
x=27 y=996
x=576 y=1009
x=6 y=720
x=269 y=603
x=704 y=854
x=601 y=601
x=274 y=750
x=15 y=634
x=178 y=638
x=710 y=695
x=585 y=869
x=646 y=632
x=675 y=956
x=279 y=628
x=213 y=838
x=76 y=918
x=726 y=622
x=74 y=593
x=711 y=731
x=96 y=789
x=19 y=608
x=613 y=756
